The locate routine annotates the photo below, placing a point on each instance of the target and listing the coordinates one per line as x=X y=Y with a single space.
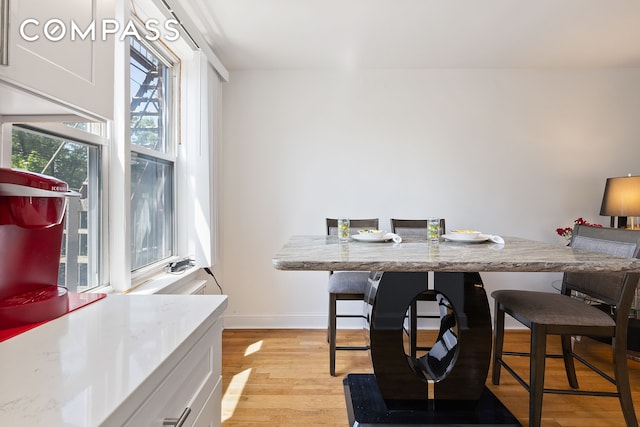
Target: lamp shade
x=621 y=197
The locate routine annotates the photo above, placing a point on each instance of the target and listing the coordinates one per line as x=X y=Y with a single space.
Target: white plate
x=467 y=239
x=371 y=237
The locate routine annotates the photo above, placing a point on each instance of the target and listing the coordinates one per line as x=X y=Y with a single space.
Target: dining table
x=427 y=390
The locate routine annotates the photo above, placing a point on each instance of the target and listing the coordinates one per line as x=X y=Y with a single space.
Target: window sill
x=187 y=282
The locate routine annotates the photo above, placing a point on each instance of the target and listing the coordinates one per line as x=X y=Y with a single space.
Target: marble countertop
x=515 y=255
x=76 y=370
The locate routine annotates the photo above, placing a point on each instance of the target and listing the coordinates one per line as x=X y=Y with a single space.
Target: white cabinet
x=126 y=360
x=187 y=396
x=50 y=49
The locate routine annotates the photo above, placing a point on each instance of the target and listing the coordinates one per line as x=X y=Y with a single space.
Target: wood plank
x=281 y=378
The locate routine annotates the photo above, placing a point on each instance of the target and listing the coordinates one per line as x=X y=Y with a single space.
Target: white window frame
x=197 y=165
x=170 y=60
x=45 y=125
x=152 y=278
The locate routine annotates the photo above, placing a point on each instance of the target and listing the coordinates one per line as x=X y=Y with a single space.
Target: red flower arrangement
x=566 y=232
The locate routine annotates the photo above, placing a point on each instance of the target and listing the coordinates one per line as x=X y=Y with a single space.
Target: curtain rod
x=178 y=13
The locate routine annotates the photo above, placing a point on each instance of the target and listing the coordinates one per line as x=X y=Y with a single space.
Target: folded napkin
x=394 y=237
x=496 y=239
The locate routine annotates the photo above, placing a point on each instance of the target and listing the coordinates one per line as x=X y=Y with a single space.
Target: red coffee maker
x=32 y=209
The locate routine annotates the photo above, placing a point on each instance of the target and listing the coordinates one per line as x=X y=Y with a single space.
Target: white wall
x=510 y=152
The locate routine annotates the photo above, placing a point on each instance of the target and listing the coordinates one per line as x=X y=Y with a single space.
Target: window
x=78 y=163
x=152 y=155
x=151 y=210
x=139 y=209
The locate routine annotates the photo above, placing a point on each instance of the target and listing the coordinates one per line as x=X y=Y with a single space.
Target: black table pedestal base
x=366 y=407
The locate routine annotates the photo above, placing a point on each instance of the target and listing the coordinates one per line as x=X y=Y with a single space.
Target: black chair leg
x=569 y=365
x=413 y=328
x=536 y=379
x=498 y=342
x=622 y=382
x=332 y=334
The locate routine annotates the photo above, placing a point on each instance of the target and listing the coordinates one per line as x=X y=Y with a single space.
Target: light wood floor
x=281 y=378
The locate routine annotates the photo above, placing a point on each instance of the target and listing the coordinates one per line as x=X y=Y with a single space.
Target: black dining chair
x=571 y=313
x=346 y=286
x=416 y=228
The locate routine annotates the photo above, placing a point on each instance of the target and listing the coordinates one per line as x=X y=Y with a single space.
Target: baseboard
x=314 y=321
x=291 y=321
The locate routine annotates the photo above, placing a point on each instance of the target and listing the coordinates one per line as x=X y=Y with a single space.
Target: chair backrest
x=413 y=227
x=355 y=225
x=615 y=289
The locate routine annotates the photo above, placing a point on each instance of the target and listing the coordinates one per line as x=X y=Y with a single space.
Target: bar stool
x=561 y=314
x=345 y=286
x=416 y=228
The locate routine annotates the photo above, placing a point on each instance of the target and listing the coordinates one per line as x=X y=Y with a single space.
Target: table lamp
x=621 y=199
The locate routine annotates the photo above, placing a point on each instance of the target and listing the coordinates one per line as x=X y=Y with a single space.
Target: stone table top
x=515 y=255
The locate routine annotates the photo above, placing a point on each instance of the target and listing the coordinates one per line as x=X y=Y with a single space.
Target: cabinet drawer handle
x=177 y=422
x=4 y=34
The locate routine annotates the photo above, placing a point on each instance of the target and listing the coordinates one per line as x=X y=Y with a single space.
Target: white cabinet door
x=211 y=414
x=52 y=51
x=191 y=391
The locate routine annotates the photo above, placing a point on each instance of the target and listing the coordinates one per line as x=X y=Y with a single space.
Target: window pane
x=82 y=273
x=63 y=251
x=83 y=248
x=83 y=219
x=78 y=165
x=149 y=98
x=151 y=210
x=89 y=127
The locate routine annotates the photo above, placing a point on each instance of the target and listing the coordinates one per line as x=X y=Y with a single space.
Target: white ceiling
x=421 y=33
